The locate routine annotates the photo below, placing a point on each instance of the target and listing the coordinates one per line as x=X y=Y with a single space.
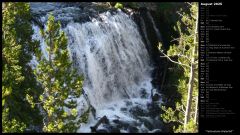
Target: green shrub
x=118 y=5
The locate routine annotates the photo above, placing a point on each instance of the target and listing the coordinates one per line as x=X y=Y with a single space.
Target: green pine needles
x=60 y=81
x=17 y=80
x=53 y=86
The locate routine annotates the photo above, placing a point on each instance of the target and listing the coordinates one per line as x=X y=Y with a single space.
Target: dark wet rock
x=156 y=97
x=157 y=124
x=128 y=103
x=155 y=131
x=116 y=121
x=121 y=124
x=147 y=122
x=154 y=109
x=103 y=120
x=101 y=131
x=143 y=125
x=138 y=111
x=123 y=109
x=143 y=130
x=143 y=93
x=132 y=129
x=113 y=129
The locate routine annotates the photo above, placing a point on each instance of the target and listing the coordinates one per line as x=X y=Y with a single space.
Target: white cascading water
x=111 y=55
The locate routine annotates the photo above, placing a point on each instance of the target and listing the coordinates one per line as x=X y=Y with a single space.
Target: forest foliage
x=52 y=87
x=17 y=78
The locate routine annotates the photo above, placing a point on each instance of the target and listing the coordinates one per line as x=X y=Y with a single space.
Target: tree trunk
x=191 y=78
x=50 y=50
x=196 y=111
x=189 y=98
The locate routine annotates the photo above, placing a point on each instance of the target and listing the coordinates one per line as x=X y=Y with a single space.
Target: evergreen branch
x=177 y=39
x=183 y=16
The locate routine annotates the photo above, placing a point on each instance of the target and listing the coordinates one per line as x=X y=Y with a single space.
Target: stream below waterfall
x=108 y=49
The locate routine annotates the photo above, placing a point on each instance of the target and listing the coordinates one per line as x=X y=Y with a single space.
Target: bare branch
x=173 y=60
x=44 y=121
x=182 y=15
x=176 y=39
x=181 y=112
x=39 y=103
x=189 y=3
x=195 y=63
x=180 y=121
x=183 y=109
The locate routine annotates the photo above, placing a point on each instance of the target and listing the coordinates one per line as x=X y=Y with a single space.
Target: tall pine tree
x=185 y=112
x=60 y=81
x=17 y=78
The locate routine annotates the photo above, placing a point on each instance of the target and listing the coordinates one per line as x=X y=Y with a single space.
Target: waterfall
x=111 y=55
x=109 y=51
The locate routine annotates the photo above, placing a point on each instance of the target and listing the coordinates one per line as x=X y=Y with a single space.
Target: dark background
x=224 y=72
